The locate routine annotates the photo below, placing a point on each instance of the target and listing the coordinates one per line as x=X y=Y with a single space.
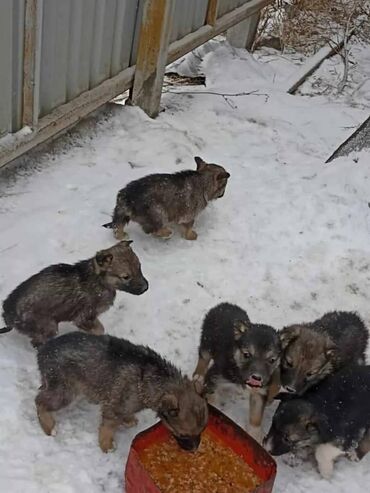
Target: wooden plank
x=152 y=55
x=243 y=34
x=31 y=59
x=191 y=41
x=362 y=134
x=65 y=116
x=313 y=63
x=212 y=12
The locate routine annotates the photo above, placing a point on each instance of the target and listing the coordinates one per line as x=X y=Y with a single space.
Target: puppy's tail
x=4 y=330
x=121 y=213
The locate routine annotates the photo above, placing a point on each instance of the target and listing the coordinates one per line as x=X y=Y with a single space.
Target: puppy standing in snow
x=76 y=293
x=123 y=378
x=312 y=351
x=159 y=200
x=243 y=353
x=332 y=419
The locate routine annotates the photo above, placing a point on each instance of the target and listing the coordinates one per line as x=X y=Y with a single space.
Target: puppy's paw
x=107 y=444
x=47 y=423
x=255 y=432
x=325 y=455
x=352 y=455
x=198 y=381
x=292 y=460
x=190 y=235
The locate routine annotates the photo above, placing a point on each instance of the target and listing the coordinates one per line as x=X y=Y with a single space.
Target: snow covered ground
x=288 y=242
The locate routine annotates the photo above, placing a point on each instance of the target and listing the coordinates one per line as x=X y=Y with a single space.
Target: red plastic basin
x=138 y=480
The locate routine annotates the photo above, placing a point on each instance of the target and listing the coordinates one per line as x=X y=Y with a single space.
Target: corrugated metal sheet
x=225 y=6
x=84 y=42
x=188 y=17
x=11 y=64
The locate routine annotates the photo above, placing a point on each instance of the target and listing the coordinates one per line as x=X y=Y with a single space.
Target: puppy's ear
x=240 y=327
x=288 y=335
x=103 y=259
x=200 y=163
x=224 y=175
x=169 y=406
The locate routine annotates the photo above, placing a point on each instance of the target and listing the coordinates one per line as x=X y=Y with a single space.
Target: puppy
x=331 y=419
x=242 y=352
x=312 y=351
x=156 y=201
x=76 y=293
x=123 y=378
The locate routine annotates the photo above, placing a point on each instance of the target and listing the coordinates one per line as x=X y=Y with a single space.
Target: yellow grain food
x=213 y=468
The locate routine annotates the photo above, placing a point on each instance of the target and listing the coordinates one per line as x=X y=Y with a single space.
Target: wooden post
x=31 y=61
x=152 y=55
x=212 y=12
x=243 y=34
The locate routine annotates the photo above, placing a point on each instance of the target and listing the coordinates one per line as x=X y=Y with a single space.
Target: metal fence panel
x=225 y=6
x=188 y=17
x=11 y=64
x=84 y=42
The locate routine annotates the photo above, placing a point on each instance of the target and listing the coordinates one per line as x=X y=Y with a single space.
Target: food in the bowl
x=213 y=468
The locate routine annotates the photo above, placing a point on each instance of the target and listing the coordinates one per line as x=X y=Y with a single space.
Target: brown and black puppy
x=159 y=200
x=331 y=419
x=312 y=351
x=123 y=378
x=76 y=293
x=241 y=352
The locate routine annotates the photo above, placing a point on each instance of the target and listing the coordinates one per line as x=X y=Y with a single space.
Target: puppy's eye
x=273 y=360
x=311 y=428
x=310 y=374
x=286 y=438
x=246 y=354
x=288 y=363
x=125 y=277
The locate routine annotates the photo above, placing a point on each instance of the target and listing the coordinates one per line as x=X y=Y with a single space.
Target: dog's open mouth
x=252 y=382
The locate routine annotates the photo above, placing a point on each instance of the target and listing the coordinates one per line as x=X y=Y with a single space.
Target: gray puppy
x=76 y=293
x=156 y=201
x=312 y=351
x=123 y=378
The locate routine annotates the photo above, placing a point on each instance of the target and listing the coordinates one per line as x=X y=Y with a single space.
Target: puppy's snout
x=257 y=377
x=139 y=287
x=188 y=443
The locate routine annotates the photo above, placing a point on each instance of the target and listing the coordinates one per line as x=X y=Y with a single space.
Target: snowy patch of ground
x=288 y=242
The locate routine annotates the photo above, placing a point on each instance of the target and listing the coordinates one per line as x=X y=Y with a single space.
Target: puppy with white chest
x=243 y=353
x=332 y=419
